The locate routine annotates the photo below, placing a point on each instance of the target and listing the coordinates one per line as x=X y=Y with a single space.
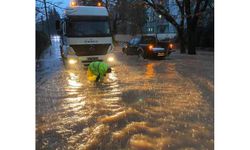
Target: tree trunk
x=114 y=26
x=191 y=43
x=181 y=41
x=191 y=38
x=140 y=29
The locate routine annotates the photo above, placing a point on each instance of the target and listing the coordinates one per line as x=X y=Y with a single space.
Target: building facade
x=157 y=24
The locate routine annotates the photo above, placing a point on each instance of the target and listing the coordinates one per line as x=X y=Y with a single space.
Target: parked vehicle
x=148 y=46
x=86 y=34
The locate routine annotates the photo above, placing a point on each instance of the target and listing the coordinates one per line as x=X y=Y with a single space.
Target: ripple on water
x=107 y=116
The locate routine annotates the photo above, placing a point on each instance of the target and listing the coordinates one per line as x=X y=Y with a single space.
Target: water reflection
x=73 y=80
x=171 y=71
x=56 y=38
x=150 y=72
x=112 y=76
x=124 y=112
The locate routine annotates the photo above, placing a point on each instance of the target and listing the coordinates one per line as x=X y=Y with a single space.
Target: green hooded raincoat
x=98 y=68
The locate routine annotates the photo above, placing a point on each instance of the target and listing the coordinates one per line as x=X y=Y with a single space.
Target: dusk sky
x=62 y=3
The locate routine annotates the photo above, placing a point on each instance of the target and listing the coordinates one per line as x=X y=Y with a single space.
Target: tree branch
x=51 y=4
x=181 y=7
x=205 y=5
x=187 y=7
x=39 y=11
x=197 y=7
x=162 y=11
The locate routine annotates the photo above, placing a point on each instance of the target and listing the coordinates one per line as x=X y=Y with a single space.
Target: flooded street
x=142 y=105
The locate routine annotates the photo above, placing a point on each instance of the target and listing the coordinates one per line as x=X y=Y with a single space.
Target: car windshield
x=88 y=28
x=131 y=41
x=136 y=41
x=148 y=39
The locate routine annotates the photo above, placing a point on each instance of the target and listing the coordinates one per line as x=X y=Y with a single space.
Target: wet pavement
x=142 y=105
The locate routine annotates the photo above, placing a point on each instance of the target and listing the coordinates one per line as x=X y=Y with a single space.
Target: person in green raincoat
x=97 y=70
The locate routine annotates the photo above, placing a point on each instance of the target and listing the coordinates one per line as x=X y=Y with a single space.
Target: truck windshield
x=99 y=28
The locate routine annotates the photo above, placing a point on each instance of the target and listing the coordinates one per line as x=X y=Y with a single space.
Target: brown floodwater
x=141 y=105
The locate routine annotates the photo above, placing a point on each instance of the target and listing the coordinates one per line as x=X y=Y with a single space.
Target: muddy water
x=141 y=105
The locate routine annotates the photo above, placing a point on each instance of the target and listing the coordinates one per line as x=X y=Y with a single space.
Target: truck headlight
x=72 y=61
x=110 y=59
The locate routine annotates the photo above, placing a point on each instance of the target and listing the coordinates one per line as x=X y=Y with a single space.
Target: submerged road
x=142 y=105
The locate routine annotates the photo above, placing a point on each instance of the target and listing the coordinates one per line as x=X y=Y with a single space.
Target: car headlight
x=171 y=46
x=150 y=47
x=72 y=61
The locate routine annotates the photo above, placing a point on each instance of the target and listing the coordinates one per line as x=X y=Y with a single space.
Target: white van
x=86 y=34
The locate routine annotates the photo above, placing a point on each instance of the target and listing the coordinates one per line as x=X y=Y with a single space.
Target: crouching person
x=97 y=70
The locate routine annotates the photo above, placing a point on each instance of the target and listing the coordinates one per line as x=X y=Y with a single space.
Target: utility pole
x=47 y=18
x=42 y=23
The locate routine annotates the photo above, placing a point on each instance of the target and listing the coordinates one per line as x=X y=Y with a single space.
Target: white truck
x=85 y=35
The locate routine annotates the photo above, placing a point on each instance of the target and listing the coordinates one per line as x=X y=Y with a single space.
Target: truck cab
x=85 y=34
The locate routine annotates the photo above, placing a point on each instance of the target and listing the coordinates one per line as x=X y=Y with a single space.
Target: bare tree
x=110 y=5
x=166 y=13
x=42 y=9
x=128 y=16
x=118 y=14
x=193 y=10
x=190 y=10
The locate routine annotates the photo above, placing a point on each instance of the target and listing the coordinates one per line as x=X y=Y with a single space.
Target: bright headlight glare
x=110 y=59
x=151 y=47
x=72 y=61
x=73 y=3
x=171 y=45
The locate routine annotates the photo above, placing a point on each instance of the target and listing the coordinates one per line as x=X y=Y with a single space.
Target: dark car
x=148 y=46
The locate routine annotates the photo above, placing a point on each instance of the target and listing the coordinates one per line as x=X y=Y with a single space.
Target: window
x=131 y=42
x=88 y=28
x=148 y=39
x=136 y=41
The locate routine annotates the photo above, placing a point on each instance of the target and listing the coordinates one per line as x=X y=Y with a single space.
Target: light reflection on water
x=150 y=73
x=170 y=115
x=112 y=76
x=74 y=81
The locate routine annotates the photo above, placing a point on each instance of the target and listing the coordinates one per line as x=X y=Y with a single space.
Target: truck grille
x=88 y=50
